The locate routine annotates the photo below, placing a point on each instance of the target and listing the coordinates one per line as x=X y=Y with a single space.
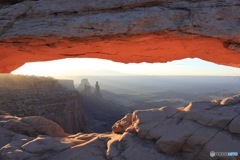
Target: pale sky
x=101 y=67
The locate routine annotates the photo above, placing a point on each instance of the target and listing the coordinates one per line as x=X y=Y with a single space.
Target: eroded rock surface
x=125 y=31
x=15 y=144
x=32 y=126
x=188 y=133
x=231 y=100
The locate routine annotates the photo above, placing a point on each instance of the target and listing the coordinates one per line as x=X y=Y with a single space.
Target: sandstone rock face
x=131 y=147
x=32 y=126
x=231 y=100
x=192 y=131
x=234 y=126
x=125 y=31
x=122 y=125
x=159 y=133
x=79 y=146
x=44 y=126
x=41 y=96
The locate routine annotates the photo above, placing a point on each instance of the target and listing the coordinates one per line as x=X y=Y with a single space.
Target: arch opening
x=103 y=67
x=186 y=70
x=111 y=89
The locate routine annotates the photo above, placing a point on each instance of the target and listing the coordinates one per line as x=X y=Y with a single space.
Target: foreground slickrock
x=191 y=132
x=186 y=133
x=34 y=140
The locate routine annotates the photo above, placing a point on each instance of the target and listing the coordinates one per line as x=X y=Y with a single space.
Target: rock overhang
x=128 y=31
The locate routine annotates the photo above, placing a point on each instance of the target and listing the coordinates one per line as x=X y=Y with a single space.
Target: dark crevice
x=12 y=2
x=167 y=118
x=125 y=7
x=92 y=28
x=220 y=130
x=75 y=55
x=230 y=44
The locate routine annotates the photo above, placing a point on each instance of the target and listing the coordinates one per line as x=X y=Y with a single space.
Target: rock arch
x=123 y=31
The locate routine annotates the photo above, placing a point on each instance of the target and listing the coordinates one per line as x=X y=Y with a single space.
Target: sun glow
x=101 y=67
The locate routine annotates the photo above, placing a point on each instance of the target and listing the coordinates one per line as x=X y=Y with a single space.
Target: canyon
x=100 y=113
x=43 y=119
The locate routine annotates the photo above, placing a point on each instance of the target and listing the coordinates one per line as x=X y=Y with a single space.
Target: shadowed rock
x=42 y=96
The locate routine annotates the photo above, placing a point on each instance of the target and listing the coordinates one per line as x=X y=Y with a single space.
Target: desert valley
x=46 y=118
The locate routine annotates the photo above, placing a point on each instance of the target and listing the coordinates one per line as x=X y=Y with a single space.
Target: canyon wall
x=124 y=31
x=40 y=96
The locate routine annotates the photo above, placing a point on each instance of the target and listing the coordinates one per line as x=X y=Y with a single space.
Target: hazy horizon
x=100 y=67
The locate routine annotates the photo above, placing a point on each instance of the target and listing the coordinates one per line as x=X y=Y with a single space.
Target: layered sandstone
x=125 y=31
x=41 y=96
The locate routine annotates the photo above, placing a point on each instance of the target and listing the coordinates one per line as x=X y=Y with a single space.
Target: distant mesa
x=83 y=83
x=86 y=88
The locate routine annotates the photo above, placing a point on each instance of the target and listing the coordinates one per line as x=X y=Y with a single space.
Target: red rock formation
x=140 y=48
x=129 y=31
